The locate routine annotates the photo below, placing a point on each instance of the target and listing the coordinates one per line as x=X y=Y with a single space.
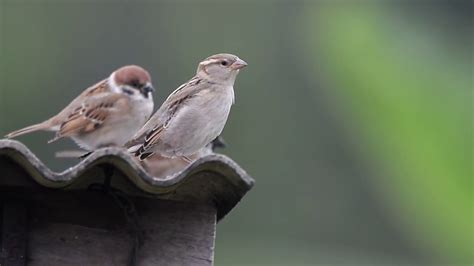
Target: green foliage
x=409 y=93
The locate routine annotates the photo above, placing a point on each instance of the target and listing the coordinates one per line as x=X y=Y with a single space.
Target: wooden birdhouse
x=107 y=210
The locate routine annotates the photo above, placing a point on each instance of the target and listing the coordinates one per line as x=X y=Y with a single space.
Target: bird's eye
x=224 y=63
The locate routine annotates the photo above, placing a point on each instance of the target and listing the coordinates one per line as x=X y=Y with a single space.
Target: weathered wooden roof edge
x=228 y=181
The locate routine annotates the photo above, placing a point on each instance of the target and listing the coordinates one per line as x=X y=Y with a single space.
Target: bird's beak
x=239 y=64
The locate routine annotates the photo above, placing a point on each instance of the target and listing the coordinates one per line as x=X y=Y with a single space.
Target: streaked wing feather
x=150 y=133
x=98 y=88
x=91 y=115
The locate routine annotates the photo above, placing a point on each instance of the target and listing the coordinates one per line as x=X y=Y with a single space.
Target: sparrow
x=194 y=114
x=108 y=113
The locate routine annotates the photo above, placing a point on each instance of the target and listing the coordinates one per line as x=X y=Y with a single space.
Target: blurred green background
x=354 y=117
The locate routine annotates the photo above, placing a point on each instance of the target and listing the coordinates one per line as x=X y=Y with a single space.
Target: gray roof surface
x=214 y=179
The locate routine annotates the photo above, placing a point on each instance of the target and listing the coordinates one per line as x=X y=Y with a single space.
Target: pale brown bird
x=194 y=114
x=107 y=114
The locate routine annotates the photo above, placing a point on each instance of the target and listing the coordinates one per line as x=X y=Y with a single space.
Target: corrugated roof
x=213 y=179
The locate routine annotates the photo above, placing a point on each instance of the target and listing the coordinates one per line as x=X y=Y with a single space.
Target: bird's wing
x=151 y=131
x=96 y=90
x=91 y=114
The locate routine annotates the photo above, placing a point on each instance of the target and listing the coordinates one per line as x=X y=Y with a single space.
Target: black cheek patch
x=127 y=91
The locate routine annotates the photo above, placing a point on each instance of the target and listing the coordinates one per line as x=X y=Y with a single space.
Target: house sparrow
x=194 y=114
x=106 y=114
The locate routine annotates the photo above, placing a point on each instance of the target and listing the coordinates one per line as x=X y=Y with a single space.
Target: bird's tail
x=41 y=126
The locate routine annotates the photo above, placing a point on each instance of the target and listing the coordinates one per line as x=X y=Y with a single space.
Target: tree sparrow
x=106 y=114
x=194 y=114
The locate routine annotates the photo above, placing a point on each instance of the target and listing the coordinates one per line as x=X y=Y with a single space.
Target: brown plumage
x=194 y=114
x=108 y=112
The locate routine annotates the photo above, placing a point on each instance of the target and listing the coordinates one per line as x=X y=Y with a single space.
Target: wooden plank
x=179 y=234
x=88 y=228
x=13 y=233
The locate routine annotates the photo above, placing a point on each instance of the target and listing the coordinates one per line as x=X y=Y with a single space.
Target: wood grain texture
x=89 y=228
